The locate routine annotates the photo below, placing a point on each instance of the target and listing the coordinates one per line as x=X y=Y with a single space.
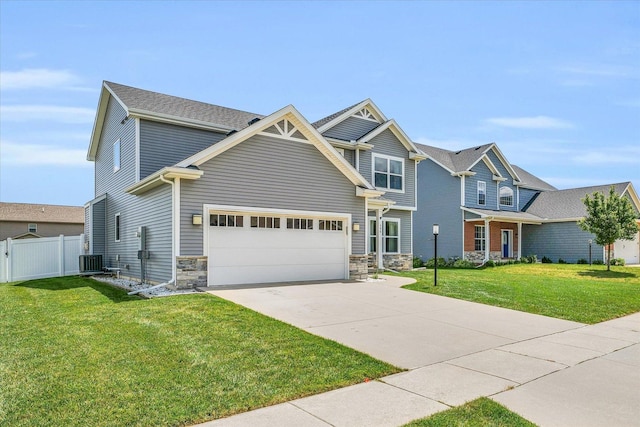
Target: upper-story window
x=32 y=228
x=482 y=193
x=388 y=172
x=116 y=156
x=506 y=196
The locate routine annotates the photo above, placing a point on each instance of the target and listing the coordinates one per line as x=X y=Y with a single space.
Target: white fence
x=27 y=259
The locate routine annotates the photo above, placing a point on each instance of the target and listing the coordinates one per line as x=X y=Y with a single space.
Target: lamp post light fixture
x=436 y=231
x=590 y=242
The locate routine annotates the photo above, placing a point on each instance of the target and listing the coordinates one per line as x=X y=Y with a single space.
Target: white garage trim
x=284 y=213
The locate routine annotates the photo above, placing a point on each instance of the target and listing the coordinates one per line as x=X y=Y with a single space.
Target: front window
x=116 y=227
x=506 y=196
x=480 y=242
x=390 y=235
x=32 y=228
x=388 y=172
x=482 y=193
x=116 y=156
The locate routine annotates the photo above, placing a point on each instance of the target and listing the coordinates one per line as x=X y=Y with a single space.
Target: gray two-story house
x=490 y=209
x=200 y=194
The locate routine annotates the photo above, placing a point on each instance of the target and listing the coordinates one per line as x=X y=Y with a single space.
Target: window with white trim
x=32 y=228
x=479 y=238
x=390 y=235
x=300 y=223
x=506 y=196
x=265 y=222
x=482 y=193
x=223 y=220
x=116 y=156
x=330 y=225
x=388 y=172
x=116 y=227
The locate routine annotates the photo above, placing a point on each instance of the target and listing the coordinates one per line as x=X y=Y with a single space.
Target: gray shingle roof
x=531 y=181
x=167 y=105
x=522 y=216
x=41 y=213
x=327 y=119
x=561 y=204
x=457 y=161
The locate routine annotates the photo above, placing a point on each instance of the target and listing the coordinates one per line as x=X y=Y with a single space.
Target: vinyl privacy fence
x=27 y=259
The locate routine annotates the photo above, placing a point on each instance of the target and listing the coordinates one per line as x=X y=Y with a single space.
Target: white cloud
x=37 y=78
x=24 y=113
x=37 y=154
x=618 y=155
x=598 y=70
x=537 y=122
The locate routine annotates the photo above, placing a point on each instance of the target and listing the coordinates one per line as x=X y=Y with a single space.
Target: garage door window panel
x=222 y=220
x=265 y=222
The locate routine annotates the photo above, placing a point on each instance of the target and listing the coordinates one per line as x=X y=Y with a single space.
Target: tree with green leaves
x=609 y=218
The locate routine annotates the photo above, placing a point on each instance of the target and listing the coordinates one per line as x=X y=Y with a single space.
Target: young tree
x=609 y=218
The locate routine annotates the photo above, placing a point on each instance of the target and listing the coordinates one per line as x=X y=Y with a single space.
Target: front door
x=507 y=251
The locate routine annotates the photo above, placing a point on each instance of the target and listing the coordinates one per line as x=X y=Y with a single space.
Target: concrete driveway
x=552 y=372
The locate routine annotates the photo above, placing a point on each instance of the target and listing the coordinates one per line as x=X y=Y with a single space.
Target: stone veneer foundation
x=478 y=256
x=399 y=262
x=358 y=267
x=191 y=272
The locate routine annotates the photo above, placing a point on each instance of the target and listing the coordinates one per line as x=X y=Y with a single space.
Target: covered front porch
x=494 y=235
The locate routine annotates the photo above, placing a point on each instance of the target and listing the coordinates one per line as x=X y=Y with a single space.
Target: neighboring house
x=488 y=208
x=25 y=220
x=203 y=194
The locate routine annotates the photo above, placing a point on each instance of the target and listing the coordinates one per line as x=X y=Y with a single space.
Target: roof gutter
x=161 y=177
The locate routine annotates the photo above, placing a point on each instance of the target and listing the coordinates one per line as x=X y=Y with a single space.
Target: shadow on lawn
x=115 y=294
x=604 y=274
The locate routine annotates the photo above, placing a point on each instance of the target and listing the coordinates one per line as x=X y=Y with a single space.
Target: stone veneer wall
x=398 y=261
x=358 y=267
x=478 y=256
x=191 y=272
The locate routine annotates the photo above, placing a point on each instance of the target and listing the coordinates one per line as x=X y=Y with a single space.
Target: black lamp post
x=590 y=242
x=436 y=231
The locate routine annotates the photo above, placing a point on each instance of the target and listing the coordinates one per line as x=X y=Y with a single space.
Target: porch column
x=519 y=240
x=379 y=241
x=487 y=238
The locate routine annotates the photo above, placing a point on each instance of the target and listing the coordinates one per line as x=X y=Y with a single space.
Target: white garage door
x=627 y=249
x=266 y=247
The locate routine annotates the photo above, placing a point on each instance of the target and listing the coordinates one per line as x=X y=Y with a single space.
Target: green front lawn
x=582 y=293
x=76 y=352
x=481 y=412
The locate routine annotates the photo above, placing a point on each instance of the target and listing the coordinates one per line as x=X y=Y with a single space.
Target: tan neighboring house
x=25 y=220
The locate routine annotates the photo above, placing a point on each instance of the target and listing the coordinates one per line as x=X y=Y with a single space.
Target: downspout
x=173 y=228
x=358 y=159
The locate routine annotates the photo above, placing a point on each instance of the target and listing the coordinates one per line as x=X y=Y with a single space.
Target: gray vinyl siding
x=387 y=144
x=483 y=173
x=557 y=240
x=275 y=173
x=351 y=129
x=152 y=209
x=350 y=156
x=99 y=227
x=438 y=203
x=525 y=196
x=405 y=228
x=163 y=144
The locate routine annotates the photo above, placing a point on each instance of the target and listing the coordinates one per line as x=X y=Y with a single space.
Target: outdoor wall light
x=196 y=219
x=356 y=226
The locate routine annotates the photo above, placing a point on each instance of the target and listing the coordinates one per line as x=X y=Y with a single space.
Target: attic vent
x=458 y=152
x=232 y=131
x=252 y=121
x=477 y=148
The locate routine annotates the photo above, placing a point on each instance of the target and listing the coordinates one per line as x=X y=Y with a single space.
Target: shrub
x=561 y=261
x=431 y=262
x=582 y=261
x=617 y=261
x=598 y=262
x=531 y=259
x=546 y=260
x=490 y=263
x=417 y=262
x=451 y=261
x=463 y=263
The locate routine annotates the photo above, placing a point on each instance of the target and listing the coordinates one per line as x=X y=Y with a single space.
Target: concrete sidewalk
x=553 y=372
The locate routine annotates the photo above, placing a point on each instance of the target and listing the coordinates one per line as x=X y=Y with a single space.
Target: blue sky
x=555 y=84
